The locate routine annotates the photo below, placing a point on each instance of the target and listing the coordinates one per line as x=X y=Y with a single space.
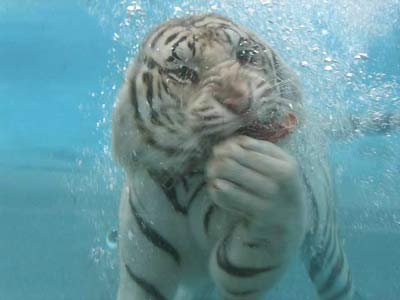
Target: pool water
x=61 y=63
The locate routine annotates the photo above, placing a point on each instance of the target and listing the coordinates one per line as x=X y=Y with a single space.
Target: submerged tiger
x=224 y=185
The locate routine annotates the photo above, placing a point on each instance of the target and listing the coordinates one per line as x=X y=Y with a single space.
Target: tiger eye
x=184 y=74
x=246 y=56
x=188 y=74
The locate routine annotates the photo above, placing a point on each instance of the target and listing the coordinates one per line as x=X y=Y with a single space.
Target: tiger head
x=195 y=82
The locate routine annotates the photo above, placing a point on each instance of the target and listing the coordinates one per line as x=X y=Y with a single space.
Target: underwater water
x=61 y=64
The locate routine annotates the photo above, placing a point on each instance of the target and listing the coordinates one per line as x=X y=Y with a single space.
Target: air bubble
x=96 y=254
x=304 y=63
x=328 y=68
x=134 y=7
x=396 y=219
x=112 y=239
x=178 y=9
x=251 y=10
x=361 y=55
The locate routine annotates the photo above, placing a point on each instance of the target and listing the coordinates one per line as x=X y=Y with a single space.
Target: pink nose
x=239 y=105
x=234 y=92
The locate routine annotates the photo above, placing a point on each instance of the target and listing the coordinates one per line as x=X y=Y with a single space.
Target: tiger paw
x=259 y=181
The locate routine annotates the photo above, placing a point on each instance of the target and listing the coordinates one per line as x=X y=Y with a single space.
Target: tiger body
x=203 y=97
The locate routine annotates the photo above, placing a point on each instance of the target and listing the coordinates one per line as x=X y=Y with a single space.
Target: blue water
x=61 y=63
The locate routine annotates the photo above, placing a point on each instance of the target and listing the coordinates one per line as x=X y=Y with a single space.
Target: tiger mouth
x=262 y=132
x=272 y=132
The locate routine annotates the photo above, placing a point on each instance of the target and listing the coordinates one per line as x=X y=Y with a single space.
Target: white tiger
x=223 y=187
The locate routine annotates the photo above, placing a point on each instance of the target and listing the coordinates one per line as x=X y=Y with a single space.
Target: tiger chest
x=207 y=222
x=182 y=213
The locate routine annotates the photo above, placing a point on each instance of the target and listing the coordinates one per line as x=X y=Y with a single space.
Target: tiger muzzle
x=230 y=86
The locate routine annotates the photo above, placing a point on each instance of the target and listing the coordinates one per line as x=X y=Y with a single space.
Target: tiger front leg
x=258 y=181
x=147 y=271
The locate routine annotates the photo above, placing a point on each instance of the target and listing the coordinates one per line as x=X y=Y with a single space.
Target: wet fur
x=180 y=224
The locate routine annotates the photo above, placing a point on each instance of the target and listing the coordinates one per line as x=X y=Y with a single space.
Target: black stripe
x=167 y=90
x=212 y=117
x=257 y=244
x=335 y=272
x=148 y=78
x=195 y=193
x=167 y=150
x=317 y=263
x=170 y=192
x=164 y=112
x=152 y=235
x=133 y=96
x=198 y=20
x=207 y=218
x=146 y=134
x=345 y=290
x=185 y=184
x=332 y=252
x=149 y=139
x=241 y=293
x=231 y=269
x=159 y=89
x=168 y=186
x=313 y=199
x=170 y=38
x=158 y=36
x=171 y=122
x=148 y=81
x=192 y=46
x=146 y=286
x=227 y=36
x=202 y=109
x=151 y=63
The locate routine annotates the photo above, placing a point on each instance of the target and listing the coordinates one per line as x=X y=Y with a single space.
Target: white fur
x=264 y=203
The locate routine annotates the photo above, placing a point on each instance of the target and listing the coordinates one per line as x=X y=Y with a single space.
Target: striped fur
x=196 y=82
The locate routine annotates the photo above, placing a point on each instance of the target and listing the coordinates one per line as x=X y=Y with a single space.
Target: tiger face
x=201 y=79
